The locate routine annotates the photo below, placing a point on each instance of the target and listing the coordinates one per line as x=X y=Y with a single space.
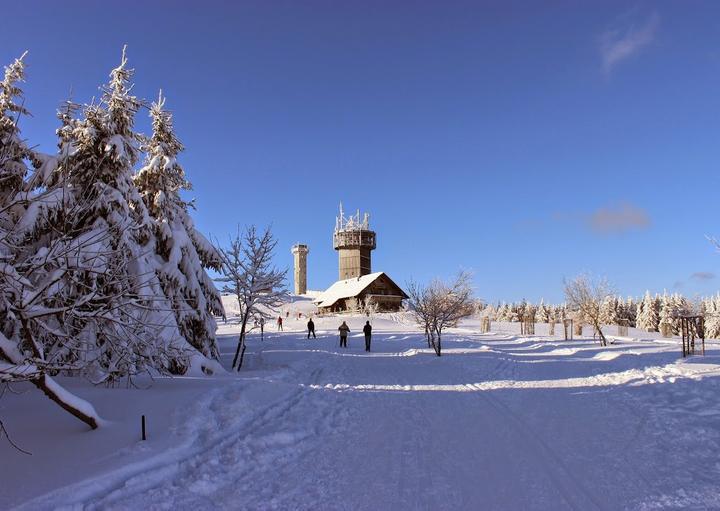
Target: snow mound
x=612 y=355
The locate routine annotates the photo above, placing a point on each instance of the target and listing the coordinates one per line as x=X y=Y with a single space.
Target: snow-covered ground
x=500 y=421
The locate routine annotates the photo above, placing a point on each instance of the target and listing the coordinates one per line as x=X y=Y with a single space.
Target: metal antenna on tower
x=354 y=242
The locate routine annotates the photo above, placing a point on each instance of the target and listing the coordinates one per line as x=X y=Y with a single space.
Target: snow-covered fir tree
x=13 y=170
x=630 y=311
x=509 y=314
x=620 y=310
x=667 y=312
x=96 y=214
x=680 y=307
x=648 y=318
x=184 y=253
x=14 y=153
x=609 y=311
x=543 y=312
x=712 y=317
x=639 y=312
x=504 y=313
x=81 y=259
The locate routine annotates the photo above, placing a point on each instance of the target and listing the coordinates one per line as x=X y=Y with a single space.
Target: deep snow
x=499 y=422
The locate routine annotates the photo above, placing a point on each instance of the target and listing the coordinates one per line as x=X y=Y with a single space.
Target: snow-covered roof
x=346 y=289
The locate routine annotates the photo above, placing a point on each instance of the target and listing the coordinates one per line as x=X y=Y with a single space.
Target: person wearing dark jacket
x=344 y=329
x=367 y=330
x=311 y=329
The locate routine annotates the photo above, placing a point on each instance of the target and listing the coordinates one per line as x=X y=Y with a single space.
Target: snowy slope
x=295 y=305
x=499 y=422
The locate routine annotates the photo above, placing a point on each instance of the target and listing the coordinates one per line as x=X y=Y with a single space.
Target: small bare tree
x=352 y=304
x=441 y=305
x=585 y=297
x=369 y=307
x=248 y=273
x=420 y=305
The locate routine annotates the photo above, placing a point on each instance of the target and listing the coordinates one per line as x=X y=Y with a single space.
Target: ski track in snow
x=499 y=422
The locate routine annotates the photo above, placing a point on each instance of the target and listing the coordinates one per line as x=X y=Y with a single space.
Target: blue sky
x=525 y=141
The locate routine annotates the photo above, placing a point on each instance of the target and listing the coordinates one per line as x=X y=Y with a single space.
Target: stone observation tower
x=300 y=252
x=353 y=240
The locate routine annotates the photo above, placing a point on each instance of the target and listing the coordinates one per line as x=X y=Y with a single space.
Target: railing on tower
x=353 y=232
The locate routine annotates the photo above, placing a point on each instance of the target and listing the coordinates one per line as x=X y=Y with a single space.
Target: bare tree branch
x=249 y=275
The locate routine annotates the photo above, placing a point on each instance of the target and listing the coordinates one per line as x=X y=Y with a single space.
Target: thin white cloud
x=626 y=38
x=702 y=275
x=618 y=219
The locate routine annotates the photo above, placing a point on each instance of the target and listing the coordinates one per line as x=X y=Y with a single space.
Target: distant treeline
x=649 y=313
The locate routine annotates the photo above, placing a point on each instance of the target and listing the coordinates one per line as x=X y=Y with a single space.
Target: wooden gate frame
x=692 y=327
x=527 y=324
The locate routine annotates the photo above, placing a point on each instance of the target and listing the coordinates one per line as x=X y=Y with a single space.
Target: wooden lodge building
x=345 y=295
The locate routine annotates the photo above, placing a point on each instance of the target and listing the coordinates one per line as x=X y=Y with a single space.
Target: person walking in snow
x=344 y=330
x=279 y=323
x=311 y=329
x=262 y=327
x=367 y=330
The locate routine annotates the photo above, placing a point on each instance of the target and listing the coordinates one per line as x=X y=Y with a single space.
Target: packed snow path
x=499 y=422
